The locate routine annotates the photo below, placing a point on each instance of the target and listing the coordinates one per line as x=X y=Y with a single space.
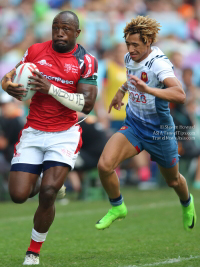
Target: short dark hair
x=76 y=20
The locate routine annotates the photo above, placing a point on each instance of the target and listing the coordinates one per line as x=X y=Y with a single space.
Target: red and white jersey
x=64 y=70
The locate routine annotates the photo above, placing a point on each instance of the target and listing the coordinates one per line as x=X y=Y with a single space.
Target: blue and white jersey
x=146 y=113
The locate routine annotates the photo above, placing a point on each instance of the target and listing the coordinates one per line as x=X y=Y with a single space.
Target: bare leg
x=21 y=185
x=117 y=149
x=52 y=181
x=176 y=180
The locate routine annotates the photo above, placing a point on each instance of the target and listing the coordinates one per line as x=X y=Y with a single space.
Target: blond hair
x=147 y=28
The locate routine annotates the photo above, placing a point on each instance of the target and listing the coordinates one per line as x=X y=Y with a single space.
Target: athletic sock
x=187 y=202
x=37 y=239
x=116 y=201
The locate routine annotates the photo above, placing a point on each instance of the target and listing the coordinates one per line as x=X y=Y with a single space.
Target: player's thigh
x=21 y=185
x=170 y=174
x=54 y=178
x=117 y=149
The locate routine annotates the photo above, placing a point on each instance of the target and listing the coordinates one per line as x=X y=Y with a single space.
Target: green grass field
x=151 y=235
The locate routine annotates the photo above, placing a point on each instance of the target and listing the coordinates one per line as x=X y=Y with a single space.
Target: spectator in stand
x=184 y=118
x=177 y=61
x=194 y=24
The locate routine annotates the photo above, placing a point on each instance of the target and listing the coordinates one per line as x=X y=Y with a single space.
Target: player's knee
x=173 y=182
x=18 y=197
x=47 y=196
x=104 y=166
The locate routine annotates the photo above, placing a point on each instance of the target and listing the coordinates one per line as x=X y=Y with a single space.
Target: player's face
x=64 y=33
x=137 y=49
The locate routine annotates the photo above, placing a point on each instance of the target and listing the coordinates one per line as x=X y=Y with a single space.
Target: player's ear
x=149 y=42
x=77 y=32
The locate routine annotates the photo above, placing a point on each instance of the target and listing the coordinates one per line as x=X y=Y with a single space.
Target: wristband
x=121 y=89
x=124 y=87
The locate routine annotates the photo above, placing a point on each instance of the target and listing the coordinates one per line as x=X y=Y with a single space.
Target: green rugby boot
x=189 y=215
x=116 y=212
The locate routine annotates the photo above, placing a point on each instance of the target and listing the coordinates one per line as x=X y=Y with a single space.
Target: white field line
x=170 y=261
x=93 y=211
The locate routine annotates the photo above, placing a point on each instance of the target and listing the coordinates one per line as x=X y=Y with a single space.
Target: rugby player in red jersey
x=51 y=139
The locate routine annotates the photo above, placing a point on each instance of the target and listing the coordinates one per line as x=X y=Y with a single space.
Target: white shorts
x=35 y=147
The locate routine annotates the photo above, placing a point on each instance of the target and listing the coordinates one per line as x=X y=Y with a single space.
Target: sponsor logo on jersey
x=57 y=79
x=43 y=62
x=66 y=152
x=70 y=67
x=144 y=77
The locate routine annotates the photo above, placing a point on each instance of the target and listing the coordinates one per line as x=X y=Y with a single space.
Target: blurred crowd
x=25 y=22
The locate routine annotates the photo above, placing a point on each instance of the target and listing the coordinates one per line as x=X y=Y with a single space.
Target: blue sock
x=116 y=201
x=187 y=202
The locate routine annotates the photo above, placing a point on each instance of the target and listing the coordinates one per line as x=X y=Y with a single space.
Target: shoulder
x=39 y=46
x=82 y=54
x=88 y=63
x=159 y=61
x=34 y=50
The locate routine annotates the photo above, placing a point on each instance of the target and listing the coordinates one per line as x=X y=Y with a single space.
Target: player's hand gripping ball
x=22 y=77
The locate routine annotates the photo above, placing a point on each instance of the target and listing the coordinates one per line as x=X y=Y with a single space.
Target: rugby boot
x=116 y=212
x=189 y=215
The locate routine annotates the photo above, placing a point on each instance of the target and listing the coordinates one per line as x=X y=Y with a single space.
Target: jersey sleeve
x=30 y=54
x=25 y=57
x=163 y=69
x=89 y=68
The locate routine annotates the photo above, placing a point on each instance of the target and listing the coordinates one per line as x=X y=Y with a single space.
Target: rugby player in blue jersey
x=151 y=85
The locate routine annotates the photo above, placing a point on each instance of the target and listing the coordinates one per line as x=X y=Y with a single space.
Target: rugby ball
x=22 y=73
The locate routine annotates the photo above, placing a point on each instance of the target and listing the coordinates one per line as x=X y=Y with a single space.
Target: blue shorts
x=164 y=152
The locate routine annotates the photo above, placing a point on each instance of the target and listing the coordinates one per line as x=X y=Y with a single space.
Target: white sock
x=38 y=237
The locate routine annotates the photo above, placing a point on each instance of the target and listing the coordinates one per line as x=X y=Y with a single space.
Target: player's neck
x=145 y=55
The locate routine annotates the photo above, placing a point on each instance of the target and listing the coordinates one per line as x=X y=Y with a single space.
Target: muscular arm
x=89 y=92
x=82 y=101
x=173 y=93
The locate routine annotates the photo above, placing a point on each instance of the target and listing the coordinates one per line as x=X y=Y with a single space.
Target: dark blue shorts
x=37 y=168
x=164 y=152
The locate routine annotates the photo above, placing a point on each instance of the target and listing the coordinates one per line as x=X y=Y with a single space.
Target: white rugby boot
x=31 y=259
